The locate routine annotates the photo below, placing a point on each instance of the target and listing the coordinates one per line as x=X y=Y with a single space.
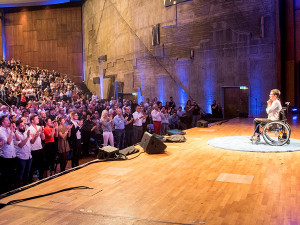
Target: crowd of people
x=46 y=119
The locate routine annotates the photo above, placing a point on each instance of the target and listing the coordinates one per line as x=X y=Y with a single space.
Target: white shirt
x=24 y=152
x=139 y=122
x=273 y=110
x=37 y=145
x=165 y=118
x=78 y=133
x=6 y=151
x=156 y=115
x=180 y=114
x=94 y=97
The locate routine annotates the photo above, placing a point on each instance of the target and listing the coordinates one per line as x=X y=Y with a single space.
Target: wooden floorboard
x=178 y=187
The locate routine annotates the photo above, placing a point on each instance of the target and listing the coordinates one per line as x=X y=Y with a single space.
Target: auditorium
x=149 y=112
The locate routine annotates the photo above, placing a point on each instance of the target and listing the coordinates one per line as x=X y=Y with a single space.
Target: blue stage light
x=294 y=110
x=36 y=3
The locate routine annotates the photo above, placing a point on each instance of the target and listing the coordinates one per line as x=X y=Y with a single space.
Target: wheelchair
x=275 y=133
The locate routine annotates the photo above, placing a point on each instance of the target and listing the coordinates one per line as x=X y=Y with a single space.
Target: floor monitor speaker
x=107 y=152
x=202 y=123
x=151 y=144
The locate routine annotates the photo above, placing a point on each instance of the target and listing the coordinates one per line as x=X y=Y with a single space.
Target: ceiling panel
x=22 y=3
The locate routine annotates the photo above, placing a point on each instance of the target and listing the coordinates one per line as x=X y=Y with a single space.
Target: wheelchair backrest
x=282 y=116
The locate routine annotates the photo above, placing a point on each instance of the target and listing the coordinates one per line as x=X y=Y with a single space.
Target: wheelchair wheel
x=276 y=133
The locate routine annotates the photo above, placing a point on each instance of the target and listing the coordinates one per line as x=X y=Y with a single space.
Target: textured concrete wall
x=225 y=36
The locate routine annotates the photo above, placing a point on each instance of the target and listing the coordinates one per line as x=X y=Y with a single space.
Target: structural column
x=289 y=46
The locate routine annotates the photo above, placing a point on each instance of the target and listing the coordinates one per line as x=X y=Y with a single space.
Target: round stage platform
x=242 y=143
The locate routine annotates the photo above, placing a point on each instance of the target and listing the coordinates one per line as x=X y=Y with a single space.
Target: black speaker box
x=107 y=152
x=96 y=80
x=102 y=58
x=151 y=144
x=202 y=123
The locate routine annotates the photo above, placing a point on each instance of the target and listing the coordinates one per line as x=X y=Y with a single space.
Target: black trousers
x=128 y=137
x=8 y=174
x=76 y=147
x=137 y=134
x=50 y=155
x=257 y=121
x=38 y=163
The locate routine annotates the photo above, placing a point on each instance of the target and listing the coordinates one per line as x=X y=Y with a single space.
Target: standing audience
x=107 y=127
x=64 y=132
x=23 y=152
x=41 y=98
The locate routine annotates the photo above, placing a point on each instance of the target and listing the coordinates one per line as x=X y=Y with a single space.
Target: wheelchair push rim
x=276 y=133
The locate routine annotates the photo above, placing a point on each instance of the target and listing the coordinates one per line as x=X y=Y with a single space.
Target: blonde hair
x=276 y=92
x=104 y=112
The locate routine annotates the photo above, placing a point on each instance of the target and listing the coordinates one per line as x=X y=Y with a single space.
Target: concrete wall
x=225 y=36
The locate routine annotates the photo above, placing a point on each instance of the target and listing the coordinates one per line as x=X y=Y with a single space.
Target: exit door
x=236 y=102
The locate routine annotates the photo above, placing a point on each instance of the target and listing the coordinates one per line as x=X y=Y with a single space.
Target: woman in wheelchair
x=273 y=109
x=275 y=130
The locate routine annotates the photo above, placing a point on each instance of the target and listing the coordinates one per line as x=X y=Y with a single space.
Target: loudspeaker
x=173 y=2
x=151 y=144
x=102 y=58
x=262 y=27
x=96 y=80
x=155 y=35
x=192 y=53
x=202 y=123
x=107 y=152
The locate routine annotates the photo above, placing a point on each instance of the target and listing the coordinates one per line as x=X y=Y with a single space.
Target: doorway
x=236 y=101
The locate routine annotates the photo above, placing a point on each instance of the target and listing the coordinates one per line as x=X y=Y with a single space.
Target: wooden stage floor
x=192 y=183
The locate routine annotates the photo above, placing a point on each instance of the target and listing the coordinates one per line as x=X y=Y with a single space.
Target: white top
x=94 y=97
x=180 y=114
x=6 y=151
x=165 y=118
x=37 y=145
x=78 y=133
x=24 y=152
x=140 y=121
x=156 y=115
x=273 y=110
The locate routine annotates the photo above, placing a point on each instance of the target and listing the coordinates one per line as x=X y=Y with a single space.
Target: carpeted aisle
x=242 y=143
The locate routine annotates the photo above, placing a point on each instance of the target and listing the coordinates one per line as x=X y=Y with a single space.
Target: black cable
x=116 y=158
x=151 y=54
x=5 y=103
x=136 y=156
x=100 y=21
x=44 y=195
x=49 y=178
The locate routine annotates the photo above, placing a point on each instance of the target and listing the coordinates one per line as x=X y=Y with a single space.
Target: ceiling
x=22 y=3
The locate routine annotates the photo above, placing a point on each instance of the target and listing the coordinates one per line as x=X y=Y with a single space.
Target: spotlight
x=294 y=110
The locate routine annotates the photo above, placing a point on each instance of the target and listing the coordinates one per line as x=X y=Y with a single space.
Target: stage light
x=244 y=87
x=295 y=117
x=294 y=110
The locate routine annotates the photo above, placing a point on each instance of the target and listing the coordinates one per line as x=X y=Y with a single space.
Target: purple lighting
x=35 y=3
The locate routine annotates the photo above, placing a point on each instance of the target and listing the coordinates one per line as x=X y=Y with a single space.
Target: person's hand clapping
x=12 y=127
x=28 y=133
x=70 y=126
